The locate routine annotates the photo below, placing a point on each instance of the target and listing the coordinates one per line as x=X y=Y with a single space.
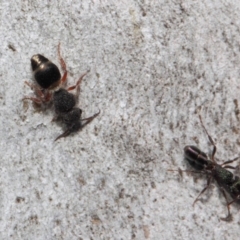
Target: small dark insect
x=48 y=87
x=227 y=182
x=64 y=104
x=47 y=77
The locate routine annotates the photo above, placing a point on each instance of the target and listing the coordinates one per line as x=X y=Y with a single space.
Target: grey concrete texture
x=153 y=67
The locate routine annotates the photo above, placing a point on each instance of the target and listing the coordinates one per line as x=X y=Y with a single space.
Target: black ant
x=226 y=181
x=48 y=88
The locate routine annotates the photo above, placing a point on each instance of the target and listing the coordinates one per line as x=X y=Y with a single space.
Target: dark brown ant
x=48 y=88
x=226 y=181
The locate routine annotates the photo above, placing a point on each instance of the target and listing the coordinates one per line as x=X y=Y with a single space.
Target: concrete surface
x=154 y=66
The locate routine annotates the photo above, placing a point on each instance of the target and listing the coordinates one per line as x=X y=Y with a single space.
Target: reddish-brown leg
x=36 y=89
x=41 y=96
x=78 y=82
x=55 y=118
x=63 y=66
x=63 y=79
x=36 y=100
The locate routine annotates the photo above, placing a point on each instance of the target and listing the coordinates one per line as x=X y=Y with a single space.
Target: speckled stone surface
x=154 y=66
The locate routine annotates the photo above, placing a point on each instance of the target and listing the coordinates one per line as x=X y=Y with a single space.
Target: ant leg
x=62 y=62
x=43 y=95
x=228 y=162
x=236 y=199
x=89 y=119
x=48 y=96
x=63 y=65
x=64 y=78
x=208 y=184
x=56 y=118
x=78 y=82
x=210 y=139
x=77 y=85
x=65 y=134
x=229 y=216
x=37 y=90
x=180 y=171
x=31 y=85
x=36 y=100
x=231 y=161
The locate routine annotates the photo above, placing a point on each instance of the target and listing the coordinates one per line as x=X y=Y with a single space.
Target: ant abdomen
x=195 y=157
x=46 y=73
